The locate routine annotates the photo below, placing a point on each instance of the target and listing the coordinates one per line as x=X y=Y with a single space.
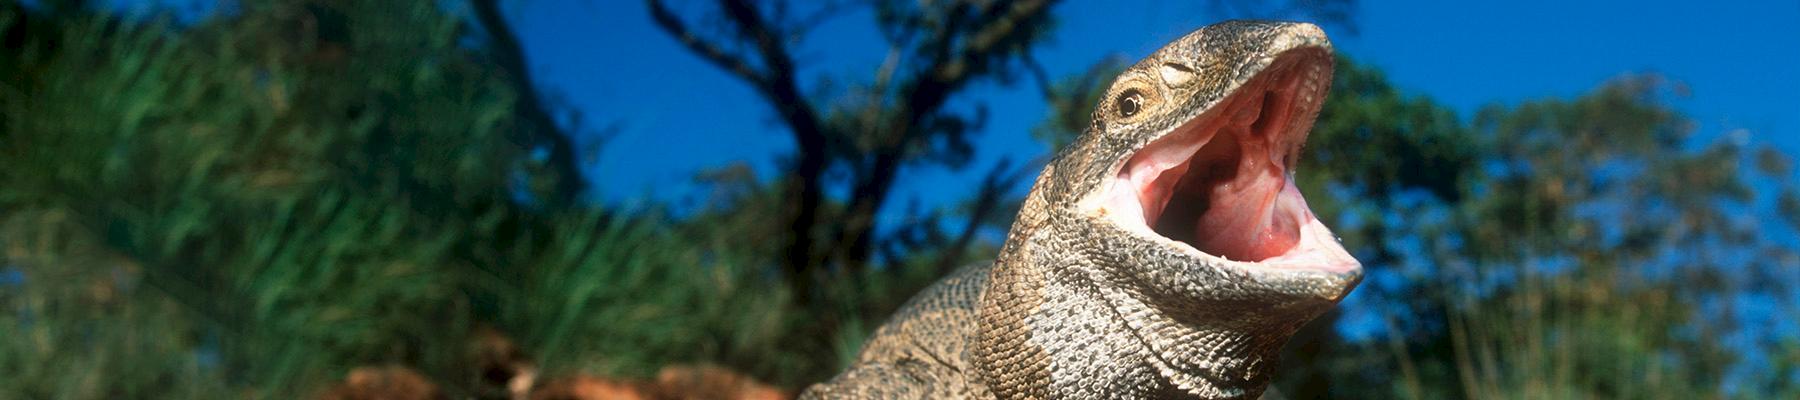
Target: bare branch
x=831 y=9
x=750 y=23
x=925 y=95
x=707 y=50
x=1001 y=20
x=777 y=84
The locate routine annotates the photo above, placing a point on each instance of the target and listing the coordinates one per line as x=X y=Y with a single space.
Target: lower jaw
x=1311 y=246
x=1314 y=247
x=1318 y=250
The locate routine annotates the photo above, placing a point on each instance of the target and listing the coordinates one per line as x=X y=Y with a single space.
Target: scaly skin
x=1081 y=305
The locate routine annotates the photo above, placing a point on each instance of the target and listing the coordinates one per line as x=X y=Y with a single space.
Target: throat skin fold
x=1165 y=253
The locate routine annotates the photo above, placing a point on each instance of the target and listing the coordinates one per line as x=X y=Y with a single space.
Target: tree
x=872 y=131
x=1584 y=247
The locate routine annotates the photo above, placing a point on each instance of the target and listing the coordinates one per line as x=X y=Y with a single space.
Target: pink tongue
x=1251 y=215
x=1250 y=226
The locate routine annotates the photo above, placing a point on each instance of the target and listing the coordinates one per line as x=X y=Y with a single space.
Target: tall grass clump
x=251 y=205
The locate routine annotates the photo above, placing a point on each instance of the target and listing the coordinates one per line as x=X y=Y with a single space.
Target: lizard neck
x=1004 y=355
x=1064 y=316
x=1193 y=356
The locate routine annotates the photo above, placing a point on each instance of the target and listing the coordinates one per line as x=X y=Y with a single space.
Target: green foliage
x=852 y=303
x=1557 y=248
x=79 y=329
x=251 y=206
x=625 y=299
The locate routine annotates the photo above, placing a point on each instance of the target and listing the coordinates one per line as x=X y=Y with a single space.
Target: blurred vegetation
x=1588 y=247
x=257 y=204
x=250 y=205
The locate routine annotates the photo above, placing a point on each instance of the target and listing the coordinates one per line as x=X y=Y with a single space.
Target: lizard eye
x=1130 y=103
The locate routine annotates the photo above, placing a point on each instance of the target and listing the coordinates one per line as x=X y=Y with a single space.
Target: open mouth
x=1222 y=183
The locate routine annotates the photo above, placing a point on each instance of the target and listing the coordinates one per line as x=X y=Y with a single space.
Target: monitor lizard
x=1166 y=253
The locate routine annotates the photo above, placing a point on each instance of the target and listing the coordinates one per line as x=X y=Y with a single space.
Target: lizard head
x=1191 y=158
x=1174 y=217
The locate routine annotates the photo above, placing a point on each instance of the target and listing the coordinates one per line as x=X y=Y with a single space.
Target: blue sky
x=1740 y=60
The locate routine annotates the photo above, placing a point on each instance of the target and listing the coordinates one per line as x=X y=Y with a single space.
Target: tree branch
x=925 y=95
x=956 y=48
x=706 y=50
x=539 y=128
x=777 y=84
x=830 y=10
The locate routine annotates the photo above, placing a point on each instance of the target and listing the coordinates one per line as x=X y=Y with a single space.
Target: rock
x=384 y=383
x=712 y=382
x=675 y=382
x=502 y=370
x=591 y=388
